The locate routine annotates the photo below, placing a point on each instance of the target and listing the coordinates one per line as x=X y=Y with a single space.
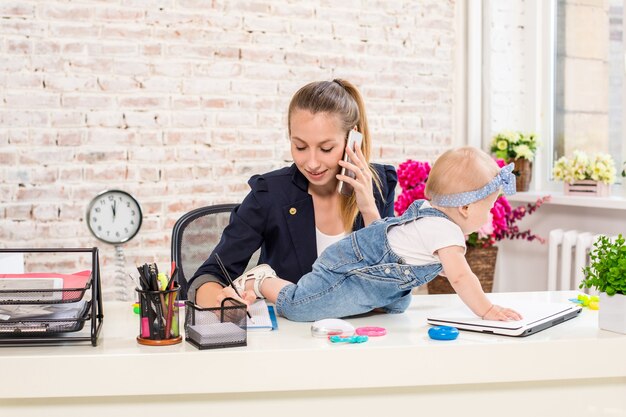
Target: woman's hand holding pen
x=247 y=297
x=362 y=184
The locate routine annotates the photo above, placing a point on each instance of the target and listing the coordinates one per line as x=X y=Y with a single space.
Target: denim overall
x=358 y=274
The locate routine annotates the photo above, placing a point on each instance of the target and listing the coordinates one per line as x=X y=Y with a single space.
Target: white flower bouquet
x=600 y=167
x=510 y=145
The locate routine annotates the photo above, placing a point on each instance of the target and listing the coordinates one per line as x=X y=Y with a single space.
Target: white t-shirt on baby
x=417 y=241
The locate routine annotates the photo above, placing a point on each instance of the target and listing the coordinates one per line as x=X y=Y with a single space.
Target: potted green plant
x=606 y=273
x=519 y=148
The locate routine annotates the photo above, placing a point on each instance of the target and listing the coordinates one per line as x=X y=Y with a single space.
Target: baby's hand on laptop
x=247 y=297
x=498 y=313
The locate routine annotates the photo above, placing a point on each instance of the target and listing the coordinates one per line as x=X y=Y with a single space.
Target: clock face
x=114 y=216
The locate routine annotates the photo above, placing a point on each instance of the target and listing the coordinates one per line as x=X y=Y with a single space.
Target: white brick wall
x=181 y=102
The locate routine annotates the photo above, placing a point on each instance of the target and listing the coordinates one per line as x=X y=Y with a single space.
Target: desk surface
x=574 y=350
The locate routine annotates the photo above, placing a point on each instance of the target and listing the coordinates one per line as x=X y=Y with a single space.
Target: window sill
x=558 y=198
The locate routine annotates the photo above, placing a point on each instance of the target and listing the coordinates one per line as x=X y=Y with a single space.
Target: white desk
x=571 y=369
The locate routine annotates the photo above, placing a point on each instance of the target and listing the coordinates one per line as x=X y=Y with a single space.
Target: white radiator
x=568 y=253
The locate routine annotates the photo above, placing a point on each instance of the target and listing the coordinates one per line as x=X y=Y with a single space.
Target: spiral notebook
x=263 y=316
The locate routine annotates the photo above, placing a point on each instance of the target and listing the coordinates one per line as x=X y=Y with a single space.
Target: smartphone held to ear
x=354 y=140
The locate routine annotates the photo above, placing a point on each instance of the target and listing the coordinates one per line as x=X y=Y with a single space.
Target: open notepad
x=263 y=316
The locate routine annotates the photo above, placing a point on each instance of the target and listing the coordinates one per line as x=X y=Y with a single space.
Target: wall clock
x=114 y=216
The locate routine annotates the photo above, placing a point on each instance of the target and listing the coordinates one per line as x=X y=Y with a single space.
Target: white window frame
x=543 y=42
x=468 y=114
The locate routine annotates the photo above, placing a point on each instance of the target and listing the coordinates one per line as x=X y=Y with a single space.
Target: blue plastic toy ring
x=443 y=333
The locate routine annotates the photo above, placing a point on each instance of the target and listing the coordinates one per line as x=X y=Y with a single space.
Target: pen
x=230 y=280
x=170 y=305
x=162 y=283
x=156 y=299
x=143 y=281
x=170 y=283
x=152 y=270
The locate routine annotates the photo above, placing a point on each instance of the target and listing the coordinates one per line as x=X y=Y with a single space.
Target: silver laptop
x=537 y=316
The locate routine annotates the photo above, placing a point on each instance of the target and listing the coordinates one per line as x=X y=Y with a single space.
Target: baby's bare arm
x=467 y=286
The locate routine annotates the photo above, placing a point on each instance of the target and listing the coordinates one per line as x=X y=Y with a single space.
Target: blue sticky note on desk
x=273 y=317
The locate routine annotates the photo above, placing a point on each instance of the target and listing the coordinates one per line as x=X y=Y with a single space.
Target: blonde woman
x=294 y=213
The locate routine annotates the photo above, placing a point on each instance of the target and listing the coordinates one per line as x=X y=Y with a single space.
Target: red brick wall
x=178 y=102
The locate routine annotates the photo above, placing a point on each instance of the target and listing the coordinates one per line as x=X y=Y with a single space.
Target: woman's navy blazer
x=277 y=216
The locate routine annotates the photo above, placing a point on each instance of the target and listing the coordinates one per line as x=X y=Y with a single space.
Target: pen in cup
x=170 y=306
x=158 y=308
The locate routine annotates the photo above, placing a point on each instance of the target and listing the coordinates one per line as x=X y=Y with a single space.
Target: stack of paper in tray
x=216 y=333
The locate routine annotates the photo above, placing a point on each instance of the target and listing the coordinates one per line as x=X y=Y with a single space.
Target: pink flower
x=407 y=197
x=412 y=176
x=412 y=173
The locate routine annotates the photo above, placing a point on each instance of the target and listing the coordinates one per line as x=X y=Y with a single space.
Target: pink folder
x=76 y=281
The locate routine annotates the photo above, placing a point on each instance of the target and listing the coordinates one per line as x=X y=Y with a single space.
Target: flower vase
x=523 y=171
x=587 y=188
x=481 y=260
x=612 y=314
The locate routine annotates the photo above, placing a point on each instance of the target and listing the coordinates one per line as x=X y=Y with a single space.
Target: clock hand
x=113 y=208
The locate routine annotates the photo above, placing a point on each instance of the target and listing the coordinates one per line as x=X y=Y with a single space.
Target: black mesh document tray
x=55 y=322
x=42 y=288
x=51 y=308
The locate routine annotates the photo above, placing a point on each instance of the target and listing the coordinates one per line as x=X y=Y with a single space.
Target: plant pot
x=612 y=314
x=523 y=171
x=587 y=188
x=482 y=261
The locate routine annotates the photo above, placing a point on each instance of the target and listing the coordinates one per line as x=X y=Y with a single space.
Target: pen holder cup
x=158 y=322
x=218 y=327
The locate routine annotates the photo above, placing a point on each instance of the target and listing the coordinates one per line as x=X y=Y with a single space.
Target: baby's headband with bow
x=504 y=179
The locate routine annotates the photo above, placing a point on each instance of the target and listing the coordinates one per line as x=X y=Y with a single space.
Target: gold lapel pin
x=292 y=211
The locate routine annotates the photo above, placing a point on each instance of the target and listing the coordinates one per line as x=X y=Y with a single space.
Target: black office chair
x=194 y=237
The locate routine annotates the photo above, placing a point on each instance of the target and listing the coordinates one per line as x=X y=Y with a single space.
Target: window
x=553 y=67
x=589 y=79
